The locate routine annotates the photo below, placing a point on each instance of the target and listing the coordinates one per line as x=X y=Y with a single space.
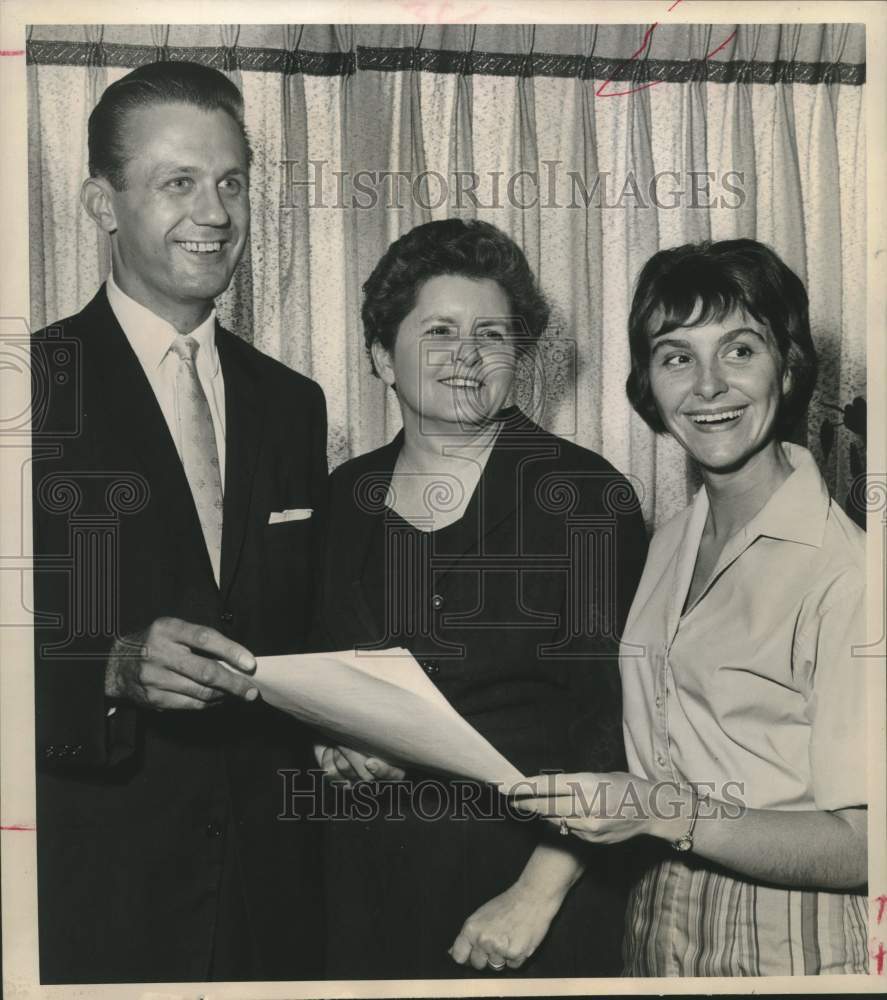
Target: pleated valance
x=591 y=159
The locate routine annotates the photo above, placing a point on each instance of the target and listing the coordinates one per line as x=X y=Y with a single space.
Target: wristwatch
x=684 y=843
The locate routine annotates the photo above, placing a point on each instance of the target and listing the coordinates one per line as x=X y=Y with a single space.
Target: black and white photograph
x=444 y=511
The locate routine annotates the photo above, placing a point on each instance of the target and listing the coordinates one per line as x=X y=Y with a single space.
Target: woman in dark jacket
x=505 y=559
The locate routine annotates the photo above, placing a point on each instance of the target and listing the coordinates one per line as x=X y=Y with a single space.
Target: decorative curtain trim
x=267 y=60
x=246 y=59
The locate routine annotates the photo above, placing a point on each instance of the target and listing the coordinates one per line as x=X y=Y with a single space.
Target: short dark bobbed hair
x=156 y=83
x=470 y=249
x=705 y=282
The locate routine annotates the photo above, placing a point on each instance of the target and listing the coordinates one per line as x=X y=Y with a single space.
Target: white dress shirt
x=151 y=338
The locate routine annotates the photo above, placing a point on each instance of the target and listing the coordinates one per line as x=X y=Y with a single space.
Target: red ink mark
x=882 y=906
x=622 y=93
x=12 y=52
x=723 y=45
x=879 y=956
x=644 y=46
x=14 y=826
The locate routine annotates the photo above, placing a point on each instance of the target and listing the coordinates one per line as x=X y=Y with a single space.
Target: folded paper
x=381 y=703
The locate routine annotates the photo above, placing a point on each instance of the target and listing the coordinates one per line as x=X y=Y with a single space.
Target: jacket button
x=213 y=830
x=227 y=617
x=437 y=602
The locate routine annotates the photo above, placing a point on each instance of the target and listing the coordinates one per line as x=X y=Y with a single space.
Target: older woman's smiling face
x=718 y=387
x=454 y=355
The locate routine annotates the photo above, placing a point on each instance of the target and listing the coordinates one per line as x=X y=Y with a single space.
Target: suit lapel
x=134 y=417
x=244 y=418
x=369 y=508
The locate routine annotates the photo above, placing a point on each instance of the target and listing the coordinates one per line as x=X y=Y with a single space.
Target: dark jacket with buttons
x=516 y=618
x=523 y=619
x=135 y=808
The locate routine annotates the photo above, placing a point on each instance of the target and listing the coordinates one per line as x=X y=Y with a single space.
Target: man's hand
x=506 y=930
x=342 y=764
x=172 y=664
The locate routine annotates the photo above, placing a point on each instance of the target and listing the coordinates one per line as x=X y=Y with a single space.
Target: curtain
x=591 y=159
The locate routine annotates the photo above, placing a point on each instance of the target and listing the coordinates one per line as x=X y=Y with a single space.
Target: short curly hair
x=705 y=282
x=470 y=249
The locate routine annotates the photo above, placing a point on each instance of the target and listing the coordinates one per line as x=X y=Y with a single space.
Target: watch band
x=685 y=843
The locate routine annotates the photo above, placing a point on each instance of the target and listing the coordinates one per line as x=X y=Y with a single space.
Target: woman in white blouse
x=744 y=706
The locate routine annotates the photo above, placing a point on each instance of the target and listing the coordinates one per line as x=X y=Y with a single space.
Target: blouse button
x=659 y=701
x=660 y=760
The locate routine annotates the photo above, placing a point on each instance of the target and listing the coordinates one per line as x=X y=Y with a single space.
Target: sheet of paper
x=381 y=703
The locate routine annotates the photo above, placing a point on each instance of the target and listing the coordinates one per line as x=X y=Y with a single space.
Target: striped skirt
x=686 y=919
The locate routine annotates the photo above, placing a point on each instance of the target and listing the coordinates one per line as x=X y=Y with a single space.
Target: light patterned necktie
x=200 y=455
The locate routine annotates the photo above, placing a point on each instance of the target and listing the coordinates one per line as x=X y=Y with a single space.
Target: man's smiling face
x=183 y=218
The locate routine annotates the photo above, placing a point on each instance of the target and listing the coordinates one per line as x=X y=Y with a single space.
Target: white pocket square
x=296 y=514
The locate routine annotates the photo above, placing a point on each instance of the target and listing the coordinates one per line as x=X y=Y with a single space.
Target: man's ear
x=96 y=198
x=383 y=361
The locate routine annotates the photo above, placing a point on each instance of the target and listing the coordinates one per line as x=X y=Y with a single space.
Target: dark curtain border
x=266 y=60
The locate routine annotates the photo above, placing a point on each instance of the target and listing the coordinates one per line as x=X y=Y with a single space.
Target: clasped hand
x=346 y=766
x=506 y=930
x=172 y=664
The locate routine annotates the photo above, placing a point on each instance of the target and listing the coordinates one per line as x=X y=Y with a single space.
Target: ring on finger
x=562 y=828
x=495 y=967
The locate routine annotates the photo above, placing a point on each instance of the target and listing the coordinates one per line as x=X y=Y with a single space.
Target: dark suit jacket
x=145 y=817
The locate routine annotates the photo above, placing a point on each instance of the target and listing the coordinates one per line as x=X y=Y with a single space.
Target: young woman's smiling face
x=454 y=356
x=718 y=387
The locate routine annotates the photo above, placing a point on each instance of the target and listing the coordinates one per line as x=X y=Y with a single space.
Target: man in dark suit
x=178 y=481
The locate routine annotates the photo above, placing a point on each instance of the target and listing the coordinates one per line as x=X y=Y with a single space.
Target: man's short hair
x=704 y=282
x=157 y=83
